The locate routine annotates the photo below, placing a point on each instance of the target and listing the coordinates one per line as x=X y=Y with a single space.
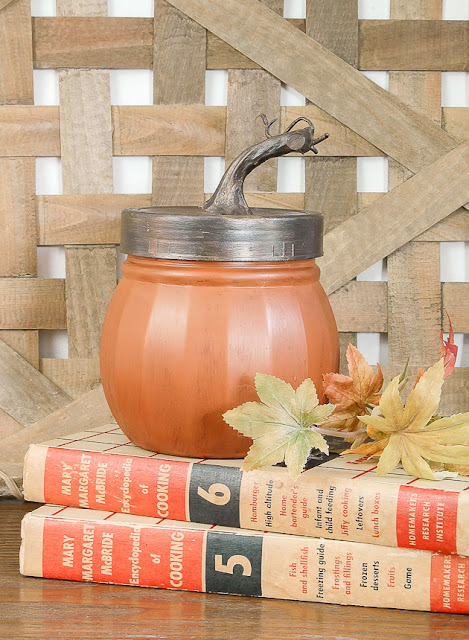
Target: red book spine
x=128 y=484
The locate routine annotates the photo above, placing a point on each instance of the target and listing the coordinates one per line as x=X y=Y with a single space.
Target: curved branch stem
x=228 y=198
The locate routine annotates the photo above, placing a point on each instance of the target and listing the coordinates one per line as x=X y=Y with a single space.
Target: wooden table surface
x=38 y=608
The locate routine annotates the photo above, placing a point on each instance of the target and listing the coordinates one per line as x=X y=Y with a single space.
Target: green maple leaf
x=411 y=433
x=282 y=424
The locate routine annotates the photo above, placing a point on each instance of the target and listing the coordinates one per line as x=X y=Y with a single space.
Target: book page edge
x=33 y=473
x=32 y=534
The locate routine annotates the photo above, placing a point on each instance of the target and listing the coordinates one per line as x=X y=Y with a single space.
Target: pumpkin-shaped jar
x=209 y=297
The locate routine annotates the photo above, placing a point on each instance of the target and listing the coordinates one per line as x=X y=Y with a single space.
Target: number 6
x=231 y=563
x=217 y=493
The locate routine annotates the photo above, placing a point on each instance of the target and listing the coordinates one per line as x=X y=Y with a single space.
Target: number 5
x=217 y=493
x=231 y=564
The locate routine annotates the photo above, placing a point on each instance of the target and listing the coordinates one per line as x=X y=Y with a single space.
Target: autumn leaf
x=448 y=350
x=282 y=425
x=352 y=394
x=420 y=373
x=409 y=433
x=460 y=469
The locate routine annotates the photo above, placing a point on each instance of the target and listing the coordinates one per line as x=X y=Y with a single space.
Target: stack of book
x=119 y=514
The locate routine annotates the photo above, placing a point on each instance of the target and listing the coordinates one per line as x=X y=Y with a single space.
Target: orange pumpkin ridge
x=182 y=341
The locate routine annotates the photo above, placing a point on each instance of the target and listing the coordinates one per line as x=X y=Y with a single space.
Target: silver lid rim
x=189 y=233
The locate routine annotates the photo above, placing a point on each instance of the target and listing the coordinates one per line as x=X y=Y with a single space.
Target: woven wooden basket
x=321 y=58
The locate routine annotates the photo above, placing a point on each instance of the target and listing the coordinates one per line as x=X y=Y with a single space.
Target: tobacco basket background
x=102 y=144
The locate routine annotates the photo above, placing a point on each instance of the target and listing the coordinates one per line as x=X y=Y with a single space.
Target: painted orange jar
x=208 y=298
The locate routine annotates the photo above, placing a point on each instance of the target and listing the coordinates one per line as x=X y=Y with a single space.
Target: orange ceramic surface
x=183 y=340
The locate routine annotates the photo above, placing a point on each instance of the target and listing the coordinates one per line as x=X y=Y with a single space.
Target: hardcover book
x=341 y=498
x=116 y=548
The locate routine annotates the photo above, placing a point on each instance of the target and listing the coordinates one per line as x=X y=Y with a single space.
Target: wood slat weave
x=319 y=56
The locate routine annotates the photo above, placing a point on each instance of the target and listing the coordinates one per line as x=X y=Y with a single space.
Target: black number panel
x=233 y=563
x=214 y=495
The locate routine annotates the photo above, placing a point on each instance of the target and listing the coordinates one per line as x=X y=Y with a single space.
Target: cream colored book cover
x=340 y=498
x=98 y=546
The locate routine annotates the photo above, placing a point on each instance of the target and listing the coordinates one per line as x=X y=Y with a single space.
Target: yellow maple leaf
x=408 y=434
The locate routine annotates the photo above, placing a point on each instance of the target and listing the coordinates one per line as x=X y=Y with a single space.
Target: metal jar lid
x=225 y=228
